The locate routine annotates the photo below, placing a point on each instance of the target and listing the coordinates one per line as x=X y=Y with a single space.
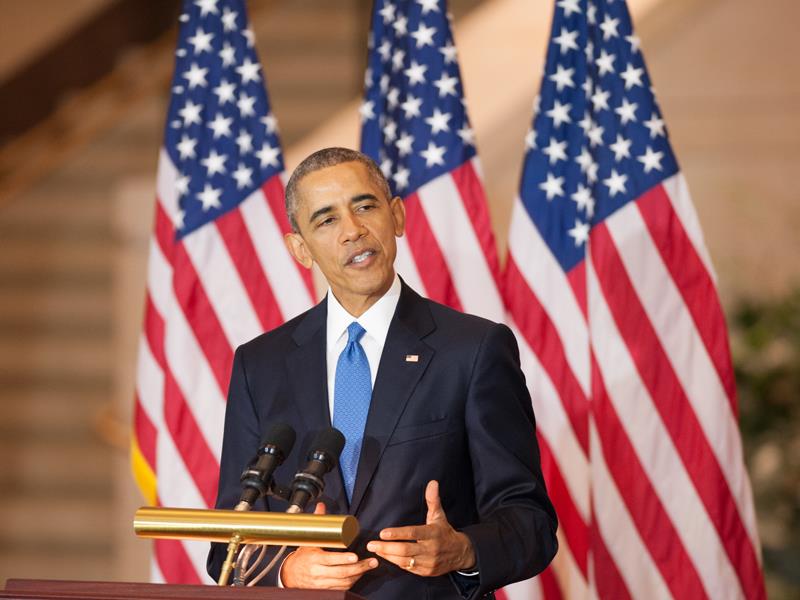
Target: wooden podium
x=44 y=589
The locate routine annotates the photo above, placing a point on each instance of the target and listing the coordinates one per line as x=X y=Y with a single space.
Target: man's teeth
x=363 y=256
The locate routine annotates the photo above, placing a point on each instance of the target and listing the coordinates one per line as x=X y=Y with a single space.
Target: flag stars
x=605 y=63
x=186 y=147
x=467 y=135
x=227 y=55
x=245 y=142
x=182 y=185
x=207 y=7
x=580 y=233
x=209 y=197
x=438 y=121
x=626 y=111
x=446 y=85
x=393 y=98
x=609 y=27
x=400 y=26
x=411 y=106
x=387 y=12
x=404 y=144
x=621 y=148
x=429 y=6
x=583 y=198
x=433 y=155
x=651 y=160
x=552 y=187
x=566 y=40
x=226 y=92
x=367 y=110
x=595 y=135
x=221 y=126
x=424 y=36
x=600 y=99
x=398 y=57
x=448 y=52
x=634 y=41
x=243 y=176
x=246 y=105
x=556 y=150
x=415 y=73
x=632 y=76
x=201 y=41
x=530 y=139
x=559 y=113
x=569 y=7
x=190 y=113
x=268 y=156
x=656 y=126
x=401 y=178
x=270 y=123
x=196 y=76
x=385 y=49
x=616 y=183
x=248 y=71
x=562 y=77
x=229 y=19
x=214 y=163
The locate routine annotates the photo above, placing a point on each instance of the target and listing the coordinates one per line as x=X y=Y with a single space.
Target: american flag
x=415 y=125
x=218 y=272
x=613 y=299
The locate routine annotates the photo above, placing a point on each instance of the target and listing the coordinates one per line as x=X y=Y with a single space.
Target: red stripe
x=236 y=237
x=676 y=412
x=569 y=519
x=276 y=201
x=577 y=281
x=608 y=580
x=473 y=197
x=500 y=595
x=194 y=302
x=174 y=563
x=192 y=446
x=693 y=281
x=651 y=519
x=432 y=267
x=551 y=590
x=543 y=338
x=145 y=432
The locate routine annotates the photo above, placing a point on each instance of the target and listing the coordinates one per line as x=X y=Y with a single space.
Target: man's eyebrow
x=364 y=196
x=324 y=210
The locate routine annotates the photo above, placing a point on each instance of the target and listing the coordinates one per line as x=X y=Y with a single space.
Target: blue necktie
x=351 y=396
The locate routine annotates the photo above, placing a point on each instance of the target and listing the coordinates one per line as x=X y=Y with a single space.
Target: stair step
x=57 y=519
x=49 y=309
x=50 y=561
x=52 y=412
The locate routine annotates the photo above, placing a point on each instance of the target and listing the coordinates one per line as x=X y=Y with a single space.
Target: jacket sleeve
x=242 y=435
x=515 y=537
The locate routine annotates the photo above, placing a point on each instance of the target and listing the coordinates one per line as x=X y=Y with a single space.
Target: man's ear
x=297 y=248
x=398 y=208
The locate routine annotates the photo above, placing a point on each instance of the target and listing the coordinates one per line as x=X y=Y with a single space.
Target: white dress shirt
x=375 y=321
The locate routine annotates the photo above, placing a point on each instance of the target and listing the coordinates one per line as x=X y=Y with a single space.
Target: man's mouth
x=361 y=257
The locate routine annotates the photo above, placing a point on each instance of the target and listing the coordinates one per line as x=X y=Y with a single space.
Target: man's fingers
x=412 y=532
x=319 y=509
x=435 y=510
x=401 y=549
x=334 y=559
x=347 y=571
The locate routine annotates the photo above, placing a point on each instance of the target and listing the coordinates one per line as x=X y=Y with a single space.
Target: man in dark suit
x=441 y=465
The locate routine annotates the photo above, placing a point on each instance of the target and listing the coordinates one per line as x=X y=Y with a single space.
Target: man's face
x=348 y=227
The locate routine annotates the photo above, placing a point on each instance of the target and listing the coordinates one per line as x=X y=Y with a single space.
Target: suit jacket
x=460 y=414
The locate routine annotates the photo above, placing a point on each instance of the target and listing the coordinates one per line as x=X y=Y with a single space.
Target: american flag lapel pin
x=412 y=357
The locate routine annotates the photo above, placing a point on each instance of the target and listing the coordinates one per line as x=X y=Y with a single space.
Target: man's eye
x=323 y=222
x=365 y=207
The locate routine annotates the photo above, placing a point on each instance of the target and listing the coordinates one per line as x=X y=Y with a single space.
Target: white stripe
x=665 y=308
x=222 y=285
x=165 y=186
x=406 y=267
x=553 y=424
x=198 y=552
x=280 y=269
x=571 y=581
x=186 y=361
x=155 y=572
x=678 y=193
x=150 y=385
x=455 y=235
x=619 y=534
x=527 y=589
x=655 y=450
x=549 y=284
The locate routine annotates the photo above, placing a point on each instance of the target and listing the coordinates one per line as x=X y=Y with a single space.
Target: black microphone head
x=281 y=436
x=329 y=441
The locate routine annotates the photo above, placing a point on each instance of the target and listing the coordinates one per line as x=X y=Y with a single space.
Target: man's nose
x=352 y=228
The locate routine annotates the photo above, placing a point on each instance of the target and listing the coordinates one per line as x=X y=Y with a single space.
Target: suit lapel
x=395 y=382
x=308 y=374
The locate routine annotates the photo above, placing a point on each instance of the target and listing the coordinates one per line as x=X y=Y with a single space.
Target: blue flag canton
x=414 y=121
x=598 y=140
x=221 y=134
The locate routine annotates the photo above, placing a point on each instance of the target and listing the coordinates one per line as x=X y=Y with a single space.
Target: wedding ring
x=411 y=563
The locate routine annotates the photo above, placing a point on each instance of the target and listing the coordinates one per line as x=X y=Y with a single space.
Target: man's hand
x=435 y=548
x=315 y=568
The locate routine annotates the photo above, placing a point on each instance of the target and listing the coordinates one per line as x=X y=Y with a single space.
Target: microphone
x=308 y=484
x=257 y=477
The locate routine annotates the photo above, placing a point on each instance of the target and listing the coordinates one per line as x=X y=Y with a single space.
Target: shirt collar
x=375 y=320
